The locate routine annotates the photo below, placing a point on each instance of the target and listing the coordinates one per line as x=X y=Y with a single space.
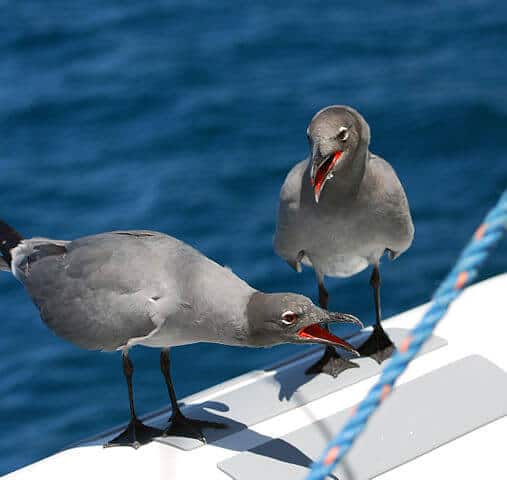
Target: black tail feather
x=9 y=239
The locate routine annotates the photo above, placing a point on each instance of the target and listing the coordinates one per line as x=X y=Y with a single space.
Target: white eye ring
x=288 y=317
x=343 y=133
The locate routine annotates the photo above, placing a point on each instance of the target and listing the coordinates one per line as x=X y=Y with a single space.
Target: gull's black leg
x=181 y=426
x=331 y=362
x=378 y=346
x=136 y=433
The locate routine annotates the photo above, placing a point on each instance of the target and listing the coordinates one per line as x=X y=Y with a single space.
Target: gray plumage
x=118 y=289
x=361 y=212
x=340 y=210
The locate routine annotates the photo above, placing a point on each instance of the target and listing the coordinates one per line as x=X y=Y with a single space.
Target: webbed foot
x=135 y=434
x=378 y=346
x=331 y=363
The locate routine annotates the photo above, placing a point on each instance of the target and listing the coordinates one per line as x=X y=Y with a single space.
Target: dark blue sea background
x=184 y=117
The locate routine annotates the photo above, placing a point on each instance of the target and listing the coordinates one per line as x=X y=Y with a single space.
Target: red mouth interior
x=316 y=332
x=324 y=169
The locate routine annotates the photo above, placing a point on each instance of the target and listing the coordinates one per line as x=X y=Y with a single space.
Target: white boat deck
x=454 y=397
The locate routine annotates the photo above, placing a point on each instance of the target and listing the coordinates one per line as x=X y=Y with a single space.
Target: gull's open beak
x=316 y=334
x=322 y=171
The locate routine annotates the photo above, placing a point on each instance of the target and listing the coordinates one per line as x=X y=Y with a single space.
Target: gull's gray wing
x=394 y=222
x=100 y=291
x=287 y=235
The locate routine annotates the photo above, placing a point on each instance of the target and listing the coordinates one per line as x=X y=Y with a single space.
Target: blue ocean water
x=184 y=117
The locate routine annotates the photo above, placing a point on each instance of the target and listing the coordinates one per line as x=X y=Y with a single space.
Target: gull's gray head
x=291 y=318
x=335 y=135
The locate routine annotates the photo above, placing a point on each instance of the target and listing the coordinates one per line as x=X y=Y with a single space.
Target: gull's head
x=292 y=318
x=334 y=135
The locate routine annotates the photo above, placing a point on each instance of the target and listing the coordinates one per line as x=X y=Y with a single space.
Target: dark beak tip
x=346 y=318
x=357 y=322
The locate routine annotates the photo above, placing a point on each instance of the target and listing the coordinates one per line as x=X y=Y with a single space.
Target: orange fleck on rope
x=405 y=344
x=386 y=390
x=331 y=455
x=479 y=233
x=461 y=281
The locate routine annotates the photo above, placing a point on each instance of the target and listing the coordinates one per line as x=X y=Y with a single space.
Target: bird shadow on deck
x=241 y=438
x=237 y=436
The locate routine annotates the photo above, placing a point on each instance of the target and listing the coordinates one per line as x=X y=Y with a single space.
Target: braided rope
x=464 y=272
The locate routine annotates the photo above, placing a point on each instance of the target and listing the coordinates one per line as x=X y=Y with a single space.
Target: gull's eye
x=289 y=317
x=343 y=134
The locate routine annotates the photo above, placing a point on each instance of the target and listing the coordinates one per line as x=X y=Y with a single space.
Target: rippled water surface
x=184 y=117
